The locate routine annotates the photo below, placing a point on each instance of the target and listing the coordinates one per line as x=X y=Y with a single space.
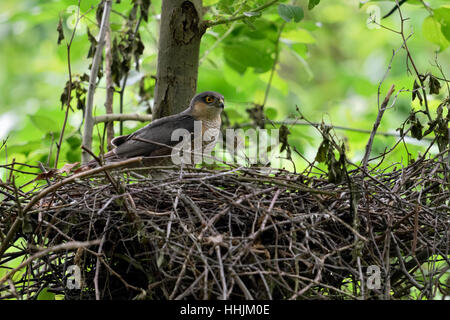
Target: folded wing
x=159 y=131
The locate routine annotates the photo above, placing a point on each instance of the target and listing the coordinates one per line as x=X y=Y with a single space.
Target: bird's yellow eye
x=209 y=99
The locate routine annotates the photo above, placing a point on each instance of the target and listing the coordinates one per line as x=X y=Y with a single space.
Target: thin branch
x=69 y=89
x=394 y=9
x=124 y=83
x=218 y=41
x=97 y=266
x=56 y=186
x=65 y=246
x=88 y=119
x=209 y=24
x=122 y=117
x=275 y=62
x=376 y=125
x=109 y=88
x=9 y=236
x=222 y=273
x=343 y=128
x=408 y=53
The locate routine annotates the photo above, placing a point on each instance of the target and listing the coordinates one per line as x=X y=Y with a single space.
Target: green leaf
x=45 y=295
x=256 y=54
x=74 y=142
x=442 y=16
x=234 y=114
x=431 y=29
x=43 y=123
x=289 y=12
x=262 y=29
x=271 y=113
x=312 y=4
x=207 y=3
x=301 y=49
x=73 y=155
x=298 y=36
x=25 y=147
x=415 y=2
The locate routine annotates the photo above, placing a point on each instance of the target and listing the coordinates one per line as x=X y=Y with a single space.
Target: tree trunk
x=179 y=44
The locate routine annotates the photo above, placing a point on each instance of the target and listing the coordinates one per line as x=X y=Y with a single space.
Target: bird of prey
x=155 y=142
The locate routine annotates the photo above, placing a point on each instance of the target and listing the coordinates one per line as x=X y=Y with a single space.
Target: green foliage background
x=330 y=65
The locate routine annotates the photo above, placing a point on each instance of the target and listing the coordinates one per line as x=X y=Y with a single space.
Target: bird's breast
x=210 y=132
x=211 y=124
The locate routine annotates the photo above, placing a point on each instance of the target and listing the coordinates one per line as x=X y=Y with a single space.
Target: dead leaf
x=46 y=175
x=82 y=169
x=68 y=167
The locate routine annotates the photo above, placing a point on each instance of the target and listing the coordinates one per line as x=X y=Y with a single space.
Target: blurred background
x=330 y=65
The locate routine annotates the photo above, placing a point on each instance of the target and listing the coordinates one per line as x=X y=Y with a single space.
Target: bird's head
x=207 y=105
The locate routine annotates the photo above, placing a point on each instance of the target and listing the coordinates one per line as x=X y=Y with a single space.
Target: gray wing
x=159 y=131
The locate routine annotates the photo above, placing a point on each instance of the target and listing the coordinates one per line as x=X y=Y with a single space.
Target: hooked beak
x=221 y=104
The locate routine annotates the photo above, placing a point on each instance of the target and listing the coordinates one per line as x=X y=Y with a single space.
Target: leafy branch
x=245 y=15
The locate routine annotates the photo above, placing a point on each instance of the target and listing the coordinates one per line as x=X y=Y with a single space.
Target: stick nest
x=235 y=234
